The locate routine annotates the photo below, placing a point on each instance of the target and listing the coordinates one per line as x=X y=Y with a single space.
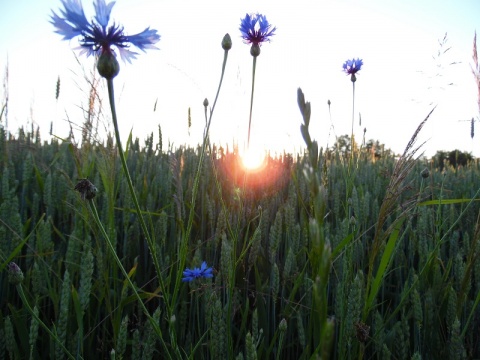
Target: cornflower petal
x=196 y=273
x=145 y=39
x=127 y=55
x=97 y=37
x=103 y=10
x=74 y=22
x=256 y=29
x=351 y=67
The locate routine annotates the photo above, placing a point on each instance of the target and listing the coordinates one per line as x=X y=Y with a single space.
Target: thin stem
x=353 y=109
x=93 y=208
x=44 y=326
x=184 y=244
x=350 y=176
x=251 y=100
x=143 y=225
x=225 y=56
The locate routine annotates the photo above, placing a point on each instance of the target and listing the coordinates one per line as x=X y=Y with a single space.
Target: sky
x=402 y=79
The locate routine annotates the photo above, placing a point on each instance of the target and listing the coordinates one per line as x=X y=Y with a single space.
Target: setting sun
x=253 y=158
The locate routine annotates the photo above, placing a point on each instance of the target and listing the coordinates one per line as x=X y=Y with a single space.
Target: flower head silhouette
x=196 y=273
x=351 y=67
x=256 y=29
x=97 y=38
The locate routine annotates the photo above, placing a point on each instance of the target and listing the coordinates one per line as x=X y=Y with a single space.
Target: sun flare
x=253 y=158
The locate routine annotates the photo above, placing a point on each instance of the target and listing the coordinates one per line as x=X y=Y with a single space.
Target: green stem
x=184 y=244
x=143 y=225
x=45 y=327
x=353 y=111
x=352 y=140
x=251 y=99
x=93 y=208
x=349 y=180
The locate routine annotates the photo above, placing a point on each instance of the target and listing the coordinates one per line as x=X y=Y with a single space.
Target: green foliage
x=454 y=158
x=417 y=298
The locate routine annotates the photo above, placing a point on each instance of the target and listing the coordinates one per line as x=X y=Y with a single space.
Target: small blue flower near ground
x=256 y=29
x=97 y=38
x=351 y=67
x=196 y=273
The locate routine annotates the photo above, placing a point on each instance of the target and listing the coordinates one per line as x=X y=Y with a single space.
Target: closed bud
x=15 y=274
x=425 y=173
x=107 y=65
x=205 y=102
x=227 y=42
x=86 y=189
x=353 y=221
x=255 y=50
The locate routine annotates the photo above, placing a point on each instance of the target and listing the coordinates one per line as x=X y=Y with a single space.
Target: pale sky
x=396 y=88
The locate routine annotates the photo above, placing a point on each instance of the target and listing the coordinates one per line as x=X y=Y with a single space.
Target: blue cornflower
x=196 y=273
x=351 y=67
x=255 y=30
x=96 y=37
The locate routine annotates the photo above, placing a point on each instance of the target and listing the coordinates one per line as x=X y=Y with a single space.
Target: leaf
x=446 y=201
x=305 y=134
x=346 y=240
x=384 y=263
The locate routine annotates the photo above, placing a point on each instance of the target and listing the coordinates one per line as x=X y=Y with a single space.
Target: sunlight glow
x=253 y=158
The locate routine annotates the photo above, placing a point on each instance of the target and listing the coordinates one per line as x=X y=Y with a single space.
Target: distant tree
x=372 y=148
x=342 y=145
x=453 y=158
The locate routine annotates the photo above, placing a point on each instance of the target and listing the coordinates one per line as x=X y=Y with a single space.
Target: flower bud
x=425 y=173
x=86 y=189
x=205 y=102
x=15 y=274
x=283 y=325
x=362 y=331
x=255 y=50
x=107 y=65
x=227 y=42
x=353 y=221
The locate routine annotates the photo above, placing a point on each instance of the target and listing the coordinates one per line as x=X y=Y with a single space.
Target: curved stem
x=184 y=244
x=143 y=225
x=44 y=326
x=155 y=326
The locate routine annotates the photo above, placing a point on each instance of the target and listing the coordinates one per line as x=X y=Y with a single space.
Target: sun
x=253 y=158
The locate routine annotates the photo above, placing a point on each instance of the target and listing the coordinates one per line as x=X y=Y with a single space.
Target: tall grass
x=418 y=296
